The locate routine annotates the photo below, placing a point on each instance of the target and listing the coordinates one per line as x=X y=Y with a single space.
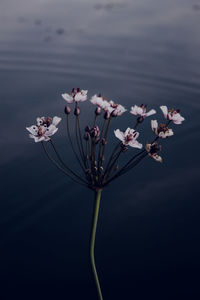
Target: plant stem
x=92 y=241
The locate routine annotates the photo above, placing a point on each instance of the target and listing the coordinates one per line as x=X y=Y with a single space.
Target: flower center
x=129 y=137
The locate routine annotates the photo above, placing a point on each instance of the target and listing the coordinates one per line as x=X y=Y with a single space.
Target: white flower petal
x=67 y=97
x=56 y=120
x=150 y=113
x=33 y=130
x=50 y=130
x=81 y=96
x=177 y=118
x=135 y=144
x=128 y=131
x=154 y=125
x=120 y=110
x=119 y=134
x=164 y=110
x=39 y=121
x=37 y=138
x=96 y=100
x=136 y=110
x=170 y=132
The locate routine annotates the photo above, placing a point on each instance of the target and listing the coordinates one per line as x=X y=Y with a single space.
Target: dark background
x=148 y=240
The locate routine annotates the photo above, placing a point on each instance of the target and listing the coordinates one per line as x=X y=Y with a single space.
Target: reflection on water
x=133 y=52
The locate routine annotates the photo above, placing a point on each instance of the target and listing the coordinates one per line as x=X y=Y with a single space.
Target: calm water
x=148 y=241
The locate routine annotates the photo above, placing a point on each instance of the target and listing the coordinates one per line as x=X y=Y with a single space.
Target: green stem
x=92 y=241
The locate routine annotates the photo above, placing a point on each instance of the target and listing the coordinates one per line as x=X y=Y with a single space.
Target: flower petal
x=177 y=119
x=151 y=112
x=81 y=96
x=67 y=97
x=37 y=138
x=157 y=157
x=56 y=120
x=135 y=144
x=154 y=125
x=136 y=110
x=40 y=121
x=164 y=110
x=119 y=134
x=50 y=130
x=33 y=130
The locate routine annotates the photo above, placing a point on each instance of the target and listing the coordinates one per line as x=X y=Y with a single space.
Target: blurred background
x=148 y=240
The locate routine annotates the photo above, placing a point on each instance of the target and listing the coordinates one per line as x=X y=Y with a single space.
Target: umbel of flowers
x=89 y=144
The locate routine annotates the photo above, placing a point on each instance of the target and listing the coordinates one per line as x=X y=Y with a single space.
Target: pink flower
x=162 y=131
x=45 y=128
x=115 y=109
x=141 y=111
x=75 y=96
x=129 y=137
x=172 y=115
x=152 y=150
x=99 y=101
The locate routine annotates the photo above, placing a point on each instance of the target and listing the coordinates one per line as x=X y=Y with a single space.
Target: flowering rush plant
x=97 y=168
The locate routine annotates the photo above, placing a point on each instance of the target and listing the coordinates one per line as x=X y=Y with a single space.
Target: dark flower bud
x=78 y=90
x=98 y=111
x=87 y=128
x=67 y=110
x=95 y=132
x=103 y=141
x=73 y=90
x=99 y=95
x=106 y=115
x=86 y=136
x=114 y=113
x=97 y=140
x=77 y=111
x=178 y=110
x=140 y=119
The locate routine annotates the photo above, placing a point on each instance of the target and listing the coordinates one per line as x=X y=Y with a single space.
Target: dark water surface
x=148 y=242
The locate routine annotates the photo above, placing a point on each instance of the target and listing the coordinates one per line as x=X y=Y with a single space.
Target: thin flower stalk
x=72 y=145
x=92 y=241
x=102 y=158
x=64 y=164
x=58 y=166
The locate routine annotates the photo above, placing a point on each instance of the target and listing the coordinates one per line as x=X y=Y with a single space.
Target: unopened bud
x=78 y=90
x=95 y=132
x=178 y=110
x=140 y=119
x=97 y=140
x=106 y=115
x=86 y=136
x=98 y=111
x=77 y=111
x=87 y=128
x=67 y=110
x=114 y=113
x=103 y=141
